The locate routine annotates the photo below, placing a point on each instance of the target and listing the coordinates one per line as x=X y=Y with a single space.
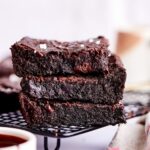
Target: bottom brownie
x=46 y=113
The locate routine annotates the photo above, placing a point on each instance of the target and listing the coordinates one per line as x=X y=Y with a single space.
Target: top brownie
x=44 y=58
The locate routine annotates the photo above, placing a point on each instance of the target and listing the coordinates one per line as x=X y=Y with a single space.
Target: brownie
x=43 y=58
x=46 y=113
x=6 y=67
x=103 y=90
x=9 y=92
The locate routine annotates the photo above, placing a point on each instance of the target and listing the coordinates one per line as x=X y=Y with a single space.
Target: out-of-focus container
x=133 y=46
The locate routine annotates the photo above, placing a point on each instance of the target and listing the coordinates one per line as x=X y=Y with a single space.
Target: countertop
x=94 y=140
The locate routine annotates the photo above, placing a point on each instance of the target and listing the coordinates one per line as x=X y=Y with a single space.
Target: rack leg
x=58 y=144
x=45 y=143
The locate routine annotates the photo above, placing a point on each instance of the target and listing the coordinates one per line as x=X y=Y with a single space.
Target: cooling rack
x=15 y=120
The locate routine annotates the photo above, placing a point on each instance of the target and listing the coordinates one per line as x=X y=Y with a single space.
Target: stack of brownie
x=69 y=83
x=9 y=87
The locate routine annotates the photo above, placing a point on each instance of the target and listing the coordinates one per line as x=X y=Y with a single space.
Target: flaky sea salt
x=98 y=42
x=91 y=40
x=43 y=46
x=82 y=46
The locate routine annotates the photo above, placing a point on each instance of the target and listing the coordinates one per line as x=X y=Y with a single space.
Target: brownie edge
x=44 y=113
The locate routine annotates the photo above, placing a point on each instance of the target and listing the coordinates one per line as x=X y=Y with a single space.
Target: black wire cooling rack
x=15 y=120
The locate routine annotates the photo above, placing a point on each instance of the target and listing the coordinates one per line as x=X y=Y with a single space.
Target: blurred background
x=125 y=23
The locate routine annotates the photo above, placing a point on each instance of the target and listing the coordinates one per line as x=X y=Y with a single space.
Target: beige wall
x=67 y=19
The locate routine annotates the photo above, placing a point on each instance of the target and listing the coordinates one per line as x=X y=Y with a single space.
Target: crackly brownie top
x=53 y=45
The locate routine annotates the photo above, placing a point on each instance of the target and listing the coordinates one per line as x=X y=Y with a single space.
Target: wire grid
x=15 y=120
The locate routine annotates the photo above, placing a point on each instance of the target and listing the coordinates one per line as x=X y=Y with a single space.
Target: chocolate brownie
x=6 y=67
x=43 y=58
x=108 y=90
x=9 y=92
x=46 y=113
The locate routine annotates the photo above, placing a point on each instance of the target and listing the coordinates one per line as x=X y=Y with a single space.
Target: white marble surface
x=94 y=140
